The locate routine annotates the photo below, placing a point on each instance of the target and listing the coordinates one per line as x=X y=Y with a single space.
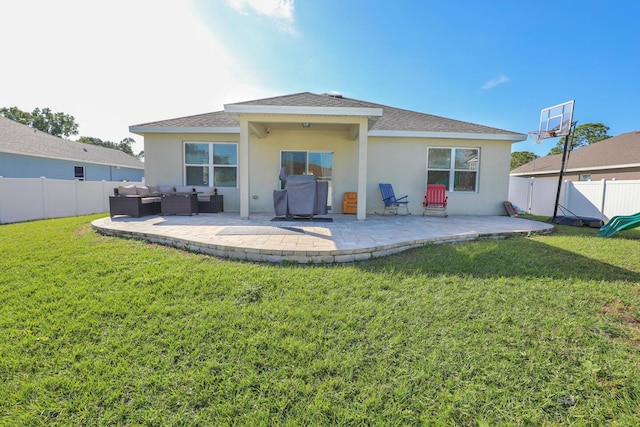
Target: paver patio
x=343 y=240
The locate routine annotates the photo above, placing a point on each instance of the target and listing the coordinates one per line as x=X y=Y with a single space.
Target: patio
x=343 y=240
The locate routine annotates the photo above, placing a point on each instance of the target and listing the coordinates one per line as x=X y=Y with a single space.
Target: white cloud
x=118 y=63
x=280 y=11
x=495 y=82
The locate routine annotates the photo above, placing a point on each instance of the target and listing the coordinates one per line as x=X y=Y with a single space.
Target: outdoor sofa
x=143 y=200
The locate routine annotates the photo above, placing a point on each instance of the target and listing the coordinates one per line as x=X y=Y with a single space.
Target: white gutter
x=141 y=130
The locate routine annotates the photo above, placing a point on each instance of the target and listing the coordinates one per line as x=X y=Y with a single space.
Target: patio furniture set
x=144 y=200
x=435 y=198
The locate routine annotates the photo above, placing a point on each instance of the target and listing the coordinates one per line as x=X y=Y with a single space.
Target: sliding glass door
x=318 y=163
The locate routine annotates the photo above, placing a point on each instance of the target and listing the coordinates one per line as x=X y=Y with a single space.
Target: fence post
x=603 y=198
x=530 y=194
x=43 y=194
x=1 y=196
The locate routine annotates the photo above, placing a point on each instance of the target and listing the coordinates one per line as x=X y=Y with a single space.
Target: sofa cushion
x=147 y=200
x=185 y=189
x=166 y=188
x=154 y=190
x=143 y=191
x=127 y=190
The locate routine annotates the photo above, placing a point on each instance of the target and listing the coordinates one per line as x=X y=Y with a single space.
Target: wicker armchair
x=133 y=204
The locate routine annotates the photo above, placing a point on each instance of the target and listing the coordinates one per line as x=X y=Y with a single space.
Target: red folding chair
x=435 y=198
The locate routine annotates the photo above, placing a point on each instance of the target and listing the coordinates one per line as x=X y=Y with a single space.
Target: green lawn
x=98 y=330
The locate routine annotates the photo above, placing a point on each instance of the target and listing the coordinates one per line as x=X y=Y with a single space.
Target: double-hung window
x=456 y=168
x=211 y=164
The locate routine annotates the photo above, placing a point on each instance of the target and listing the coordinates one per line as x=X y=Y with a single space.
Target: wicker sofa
x=134 y=201
x=143 y=200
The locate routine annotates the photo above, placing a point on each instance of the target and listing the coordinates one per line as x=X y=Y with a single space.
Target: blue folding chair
x=391 y=203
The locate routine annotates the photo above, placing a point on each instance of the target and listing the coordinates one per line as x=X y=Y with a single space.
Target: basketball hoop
x=538 y=136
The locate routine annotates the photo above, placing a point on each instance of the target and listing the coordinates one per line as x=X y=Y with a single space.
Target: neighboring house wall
x=597 y=175
x=20 y=166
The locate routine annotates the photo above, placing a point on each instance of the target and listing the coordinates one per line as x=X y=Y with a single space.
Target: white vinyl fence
x=26 y=199
x=594 y=199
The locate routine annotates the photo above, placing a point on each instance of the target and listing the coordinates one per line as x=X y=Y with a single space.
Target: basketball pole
x=568 y=138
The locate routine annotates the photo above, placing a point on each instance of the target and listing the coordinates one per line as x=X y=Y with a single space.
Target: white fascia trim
x=141 y=130
x=307 y=111
x=598 y=168
x=448 y=135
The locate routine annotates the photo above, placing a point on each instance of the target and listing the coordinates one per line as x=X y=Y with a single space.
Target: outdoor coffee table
x=179 y=204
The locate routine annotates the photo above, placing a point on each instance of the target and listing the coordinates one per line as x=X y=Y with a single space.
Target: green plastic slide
x=619 y=223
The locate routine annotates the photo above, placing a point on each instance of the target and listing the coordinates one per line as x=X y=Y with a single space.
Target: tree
x=519 y=158
x=586 y=134
x=124 y=145
x=57 y=124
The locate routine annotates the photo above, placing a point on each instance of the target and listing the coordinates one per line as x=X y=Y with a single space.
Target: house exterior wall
x=19 y=166
x=401 y=162
x=265 y=163
x=164 y=161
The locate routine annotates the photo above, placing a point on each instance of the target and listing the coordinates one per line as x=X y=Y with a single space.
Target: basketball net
x=538 y=136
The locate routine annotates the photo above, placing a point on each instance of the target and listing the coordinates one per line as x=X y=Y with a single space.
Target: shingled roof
x=611 y=153
x=393 y=119
x=17 y=138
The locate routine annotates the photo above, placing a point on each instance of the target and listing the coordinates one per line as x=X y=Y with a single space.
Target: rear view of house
x=353 y=145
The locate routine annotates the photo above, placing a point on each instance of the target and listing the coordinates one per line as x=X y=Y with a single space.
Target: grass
x=524 y=331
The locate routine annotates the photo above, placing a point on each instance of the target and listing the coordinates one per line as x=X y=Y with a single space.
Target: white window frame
x=452 y=169
x=211 y=165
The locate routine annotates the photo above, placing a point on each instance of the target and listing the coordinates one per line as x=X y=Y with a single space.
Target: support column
x=363 y=142
x=243 y=168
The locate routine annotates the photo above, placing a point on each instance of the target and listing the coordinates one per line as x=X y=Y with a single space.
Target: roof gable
x=392 y=119
x=17 y=138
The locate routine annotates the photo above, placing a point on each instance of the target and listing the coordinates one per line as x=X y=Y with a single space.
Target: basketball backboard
x=556 y=120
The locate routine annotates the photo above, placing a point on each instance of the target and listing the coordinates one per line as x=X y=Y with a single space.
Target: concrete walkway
x=343 y=240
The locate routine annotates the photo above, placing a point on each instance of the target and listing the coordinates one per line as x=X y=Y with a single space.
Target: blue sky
x=498 y=63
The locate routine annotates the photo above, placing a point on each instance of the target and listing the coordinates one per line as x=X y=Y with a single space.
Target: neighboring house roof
x=393 y=122
x=622 y=151
x=16 y=138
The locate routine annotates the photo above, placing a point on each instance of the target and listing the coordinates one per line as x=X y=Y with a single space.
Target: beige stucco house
x=355 y=145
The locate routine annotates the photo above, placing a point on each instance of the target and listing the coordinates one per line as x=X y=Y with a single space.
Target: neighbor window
x=78 y=173
x=456 y=168
x=585 y=177
x=211 y=164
